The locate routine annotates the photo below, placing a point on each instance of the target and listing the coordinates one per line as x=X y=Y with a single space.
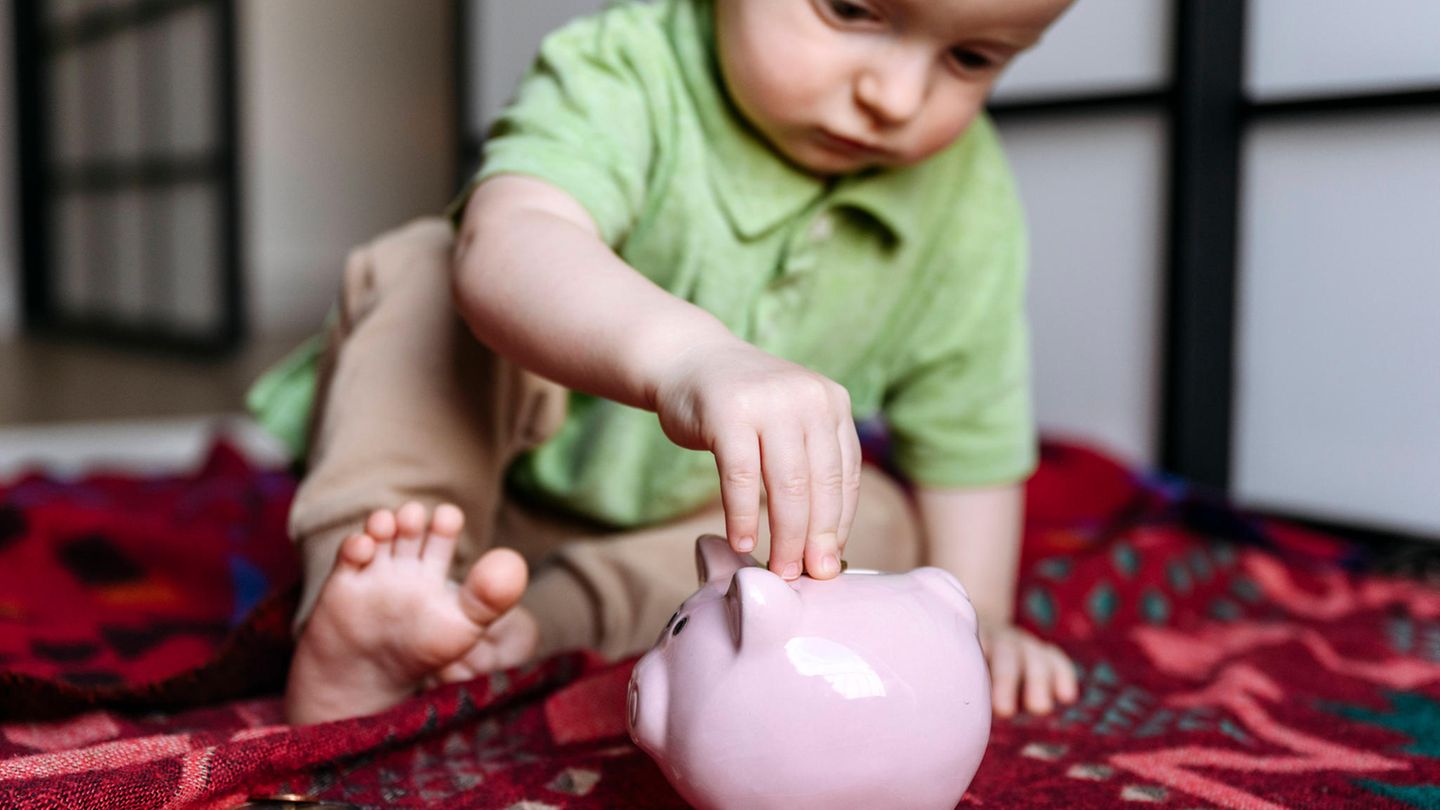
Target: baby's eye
x=680 y=625
x=848 y=11
x=970 y=60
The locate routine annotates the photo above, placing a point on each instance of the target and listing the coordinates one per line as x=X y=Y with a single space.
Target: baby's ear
x=761 y=609
x=715 y=560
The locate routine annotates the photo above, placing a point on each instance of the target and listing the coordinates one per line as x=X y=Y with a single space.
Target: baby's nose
x=893 y=92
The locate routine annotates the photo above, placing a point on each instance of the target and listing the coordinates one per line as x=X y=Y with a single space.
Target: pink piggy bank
x=866 y=691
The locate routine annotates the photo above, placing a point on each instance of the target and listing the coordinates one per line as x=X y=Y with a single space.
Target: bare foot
x=388 y=619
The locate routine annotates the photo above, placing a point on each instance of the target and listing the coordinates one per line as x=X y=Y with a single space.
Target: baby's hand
x=1019 y=660
x=770 y=421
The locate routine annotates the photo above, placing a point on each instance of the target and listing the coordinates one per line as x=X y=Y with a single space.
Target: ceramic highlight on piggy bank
x=865 y=691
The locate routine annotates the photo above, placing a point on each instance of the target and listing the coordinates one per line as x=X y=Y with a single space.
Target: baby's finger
x=786 y=472
x=827 y=481
x=738 y=459
x=1004 y=675
x=850 y=460
x=1038 y=686
x=1067 y=685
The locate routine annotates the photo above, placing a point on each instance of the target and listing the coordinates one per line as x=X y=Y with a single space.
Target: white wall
x=348 y=115
x=9 y=227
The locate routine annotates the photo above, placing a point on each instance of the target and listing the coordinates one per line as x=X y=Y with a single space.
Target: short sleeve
x=960 y=412
x=582 y=119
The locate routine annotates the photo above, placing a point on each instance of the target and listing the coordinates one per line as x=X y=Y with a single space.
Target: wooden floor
x=47 y=382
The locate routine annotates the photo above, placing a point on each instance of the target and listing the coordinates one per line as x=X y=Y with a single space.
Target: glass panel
x=1339 y=386
x=475 y=112
x=125 y=263
x=85 y=105
x=66 y=10
x=509 y=35
x=188 y=76
x=1099 y=46
x=1094 y=193
x=115 y=96
x=70 y=116
x=194 y=260
x=73 y=243
x=153 y=80
x=1318 y=47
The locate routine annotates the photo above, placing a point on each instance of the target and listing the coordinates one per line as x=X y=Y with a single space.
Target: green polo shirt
x=905 y=285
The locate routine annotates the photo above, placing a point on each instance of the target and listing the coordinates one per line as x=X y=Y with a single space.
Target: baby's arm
x=537 y=284
x=975 y=535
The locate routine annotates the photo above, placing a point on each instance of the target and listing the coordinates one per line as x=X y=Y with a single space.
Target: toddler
x=706 y=237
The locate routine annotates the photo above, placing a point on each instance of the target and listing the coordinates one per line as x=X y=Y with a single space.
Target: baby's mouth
x=852 y=146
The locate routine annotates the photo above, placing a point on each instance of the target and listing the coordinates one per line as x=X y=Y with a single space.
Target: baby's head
x=841 y=85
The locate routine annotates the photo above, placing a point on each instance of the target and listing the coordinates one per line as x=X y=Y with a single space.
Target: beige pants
x=413 y=407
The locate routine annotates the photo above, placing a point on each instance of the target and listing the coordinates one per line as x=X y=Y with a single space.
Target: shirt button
x=822 y=228
x=800 y=262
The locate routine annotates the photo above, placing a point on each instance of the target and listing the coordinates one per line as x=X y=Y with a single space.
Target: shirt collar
x=900 y=199
x=757 y=188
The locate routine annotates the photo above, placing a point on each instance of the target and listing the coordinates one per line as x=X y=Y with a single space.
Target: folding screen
x=1337 y=406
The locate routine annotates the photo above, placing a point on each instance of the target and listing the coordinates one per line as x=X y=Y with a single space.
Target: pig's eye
x=679 y=626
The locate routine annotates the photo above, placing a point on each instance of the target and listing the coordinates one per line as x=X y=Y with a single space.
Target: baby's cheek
x=939 y=128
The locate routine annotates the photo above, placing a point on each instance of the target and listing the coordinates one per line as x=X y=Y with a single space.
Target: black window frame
x=1208 y=113
x=42 y=180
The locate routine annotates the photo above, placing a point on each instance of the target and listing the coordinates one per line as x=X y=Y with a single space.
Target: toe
x=356 y=552
x=381 y=525
x=410 y=530
x=493 y=586
x=448 y=520
x=516 y=636
x=509 y=641
x=445 y=529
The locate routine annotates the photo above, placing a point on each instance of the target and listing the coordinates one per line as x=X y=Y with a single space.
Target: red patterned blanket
x=1227 y=662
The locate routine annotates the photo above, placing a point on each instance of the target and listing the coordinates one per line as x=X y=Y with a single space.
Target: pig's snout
x=633 y=702
x=646 y=704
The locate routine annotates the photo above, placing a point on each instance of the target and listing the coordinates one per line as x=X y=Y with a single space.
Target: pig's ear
x=761 y=608
x=715 y=560
x=947 y=587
